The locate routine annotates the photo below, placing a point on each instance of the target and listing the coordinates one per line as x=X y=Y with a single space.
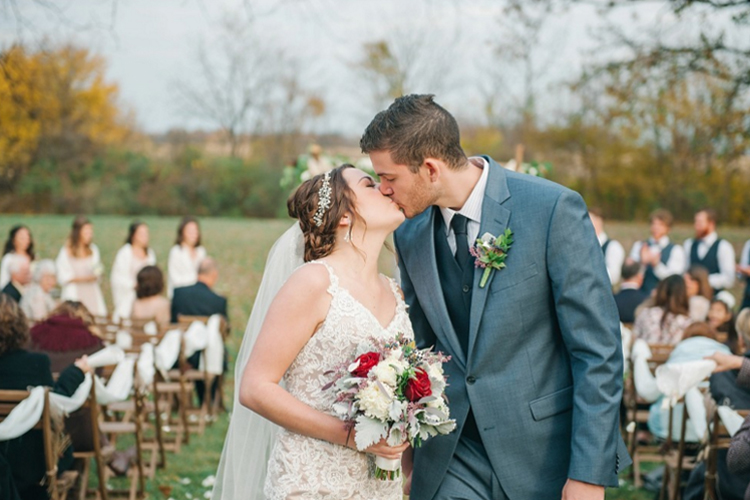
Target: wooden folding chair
x=675 y=460
x=58 y=486
x=217 y=403
x=152 y=438
x=114 y=429
x=719 y=439
x=637 y=412
x=86 y=454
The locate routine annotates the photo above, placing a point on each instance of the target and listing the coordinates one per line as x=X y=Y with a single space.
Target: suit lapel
x=424 y=262
x=495 y=218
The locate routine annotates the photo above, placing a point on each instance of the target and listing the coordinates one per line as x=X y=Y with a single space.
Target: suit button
x=471 y=379
x=466 y=288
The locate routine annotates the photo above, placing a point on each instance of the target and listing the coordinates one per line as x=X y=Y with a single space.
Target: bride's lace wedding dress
x=305 y=468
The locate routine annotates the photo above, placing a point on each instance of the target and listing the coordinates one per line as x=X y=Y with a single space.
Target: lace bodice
x=302 y=467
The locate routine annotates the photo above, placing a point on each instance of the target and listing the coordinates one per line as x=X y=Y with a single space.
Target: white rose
x=385 y=373
x=374 y=401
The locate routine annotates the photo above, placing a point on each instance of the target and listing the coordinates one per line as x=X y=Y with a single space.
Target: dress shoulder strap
x=334 y=286
x=396 y=292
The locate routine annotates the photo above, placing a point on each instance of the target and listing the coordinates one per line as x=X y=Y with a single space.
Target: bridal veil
x=250 y=437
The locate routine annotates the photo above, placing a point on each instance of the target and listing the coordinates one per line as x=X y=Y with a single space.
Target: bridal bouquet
x=392 y=390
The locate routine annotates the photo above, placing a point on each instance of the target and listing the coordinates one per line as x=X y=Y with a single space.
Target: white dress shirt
x=745 y=256
x=675 y=264
x=614 y=257
x=472 y=209
x=725 y=255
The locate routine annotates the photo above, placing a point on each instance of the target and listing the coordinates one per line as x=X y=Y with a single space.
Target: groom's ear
x=433 y=168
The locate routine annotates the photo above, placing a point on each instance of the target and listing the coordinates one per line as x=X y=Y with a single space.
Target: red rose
x=419 y=386
x=366 y=362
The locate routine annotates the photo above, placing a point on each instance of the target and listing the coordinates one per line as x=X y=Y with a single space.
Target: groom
x=535 y=378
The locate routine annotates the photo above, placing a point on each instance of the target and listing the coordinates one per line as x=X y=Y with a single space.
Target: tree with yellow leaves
x=55 y=106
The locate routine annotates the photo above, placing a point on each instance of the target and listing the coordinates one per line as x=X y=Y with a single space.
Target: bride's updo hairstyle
x=303 y=205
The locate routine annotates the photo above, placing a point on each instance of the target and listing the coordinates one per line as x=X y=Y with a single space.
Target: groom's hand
x=576 y=490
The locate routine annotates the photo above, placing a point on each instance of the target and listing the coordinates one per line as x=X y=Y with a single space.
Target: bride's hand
x=381 y=448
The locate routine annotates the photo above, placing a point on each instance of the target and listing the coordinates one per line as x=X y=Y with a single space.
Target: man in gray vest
x=711 y=252
x=535 y=376
x=660 y=257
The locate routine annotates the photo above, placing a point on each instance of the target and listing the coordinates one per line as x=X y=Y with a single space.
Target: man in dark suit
x=200 y=300
x=630 y=295
x=20 y=276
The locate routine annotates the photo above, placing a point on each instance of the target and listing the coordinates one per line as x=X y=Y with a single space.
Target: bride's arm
x=299 y=307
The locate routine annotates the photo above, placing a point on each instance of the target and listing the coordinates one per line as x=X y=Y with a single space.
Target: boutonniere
x=490 y=253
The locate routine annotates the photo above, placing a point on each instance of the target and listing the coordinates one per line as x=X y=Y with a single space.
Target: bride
x=284 y=441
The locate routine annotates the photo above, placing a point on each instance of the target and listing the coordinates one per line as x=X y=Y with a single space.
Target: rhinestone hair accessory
x=324 y=199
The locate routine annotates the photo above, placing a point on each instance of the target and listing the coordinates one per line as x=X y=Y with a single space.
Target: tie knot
x=458 y=224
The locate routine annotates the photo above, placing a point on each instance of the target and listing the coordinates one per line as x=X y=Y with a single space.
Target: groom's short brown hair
x=413 y=128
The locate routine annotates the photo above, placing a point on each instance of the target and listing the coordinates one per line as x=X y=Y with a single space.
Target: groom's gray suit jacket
x=543 y=371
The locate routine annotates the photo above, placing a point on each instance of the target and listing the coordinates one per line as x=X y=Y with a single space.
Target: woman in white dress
x=79 y=268
x=130 y=259
x=19 y=244
x=344 y=221
x=185 y=256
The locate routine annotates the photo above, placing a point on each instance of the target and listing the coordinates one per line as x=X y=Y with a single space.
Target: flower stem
x=485 y=276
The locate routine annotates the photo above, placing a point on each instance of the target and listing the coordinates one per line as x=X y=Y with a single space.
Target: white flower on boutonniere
x=490 y=253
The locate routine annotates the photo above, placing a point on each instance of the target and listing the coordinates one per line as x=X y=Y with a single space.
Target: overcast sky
x=150 y=44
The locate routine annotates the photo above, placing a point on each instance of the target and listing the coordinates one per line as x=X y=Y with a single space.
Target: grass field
x=240 y=247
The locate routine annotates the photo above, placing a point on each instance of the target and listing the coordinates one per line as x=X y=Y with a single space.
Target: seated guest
x=199 y=299
x=68 y=333
x=665 y=321
x=149 y=303
x=37 y=303
x=699 y=292
x=730 y=386
x=19 y=244
x=630 y=295
x=720 y=317
x=710 y=251
x=19 y=370
x=614 y=254
x=131 y=258
x=698 y=341
x=658 y=254
x=20 y=276
x=738 y=456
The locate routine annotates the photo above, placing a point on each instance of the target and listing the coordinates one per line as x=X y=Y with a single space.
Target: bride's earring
x=348 y=235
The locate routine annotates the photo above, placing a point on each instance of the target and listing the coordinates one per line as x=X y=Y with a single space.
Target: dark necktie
x=458 y=224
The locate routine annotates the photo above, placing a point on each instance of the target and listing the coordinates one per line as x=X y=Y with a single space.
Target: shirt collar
x=625 y=285
x=472 y=209
x=603 y=238
x=710 y=239
x=663 y=241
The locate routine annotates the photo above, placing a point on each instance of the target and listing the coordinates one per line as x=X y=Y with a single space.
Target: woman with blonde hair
x=79 y=268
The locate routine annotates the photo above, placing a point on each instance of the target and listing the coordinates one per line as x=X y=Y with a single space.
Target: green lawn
x=240 y=247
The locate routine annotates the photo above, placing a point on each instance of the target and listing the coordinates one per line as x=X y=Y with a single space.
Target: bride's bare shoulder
x=309 y=278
